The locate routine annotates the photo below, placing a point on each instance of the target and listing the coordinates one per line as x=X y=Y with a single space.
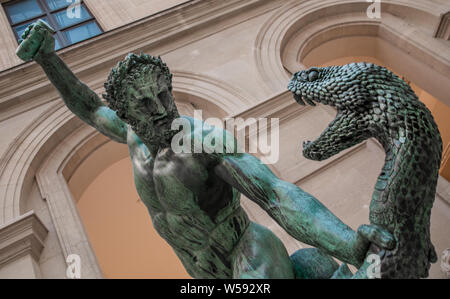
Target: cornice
x=228 y=97
x=280 y=105
x=25 y=235
x=443 y=29
x=445 y=263
x=297 y=15
x=92 y=59
x=443 y=189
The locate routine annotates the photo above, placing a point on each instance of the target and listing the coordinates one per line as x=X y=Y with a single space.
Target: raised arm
x=299 y=213
x=38 y=45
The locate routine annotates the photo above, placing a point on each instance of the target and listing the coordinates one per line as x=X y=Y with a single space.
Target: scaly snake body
x=373 y=102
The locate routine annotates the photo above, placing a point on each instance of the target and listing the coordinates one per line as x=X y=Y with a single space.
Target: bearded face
x=151 y=108
x=139 y=90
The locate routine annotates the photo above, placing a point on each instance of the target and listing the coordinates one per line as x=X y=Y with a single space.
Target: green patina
x=371 y=101
x=193 y=199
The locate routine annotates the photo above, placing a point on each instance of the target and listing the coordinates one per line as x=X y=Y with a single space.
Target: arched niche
x=67 y=156
x=99 y=152
x=27 y=152
x=350 y=38
x=406 y=26
x=345 y=40
x=307 y=33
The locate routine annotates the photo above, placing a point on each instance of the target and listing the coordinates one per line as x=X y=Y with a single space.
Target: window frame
x=48 y=13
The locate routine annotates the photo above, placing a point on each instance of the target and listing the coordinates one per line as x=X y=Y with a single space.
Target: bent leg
x=260 y=254
x=312 y=263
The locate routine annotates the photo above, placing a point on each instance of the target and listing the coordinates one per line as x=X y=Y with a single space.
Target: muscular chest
x=172 y=182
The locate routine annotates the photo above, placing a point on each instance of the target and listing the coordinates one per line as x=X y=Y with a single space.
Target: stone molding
x=275 y=42
x=26 y=153
x=22 y=236
x=229 y=98
x=443 y=29
x=62 y=206
x=445 y=263
x=392 y=30
x=283 y=107
x=443 y=189
x=92 y=59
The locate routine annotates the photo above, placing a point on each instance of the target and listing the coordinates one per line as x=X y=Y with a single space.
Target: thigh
x=260 y=254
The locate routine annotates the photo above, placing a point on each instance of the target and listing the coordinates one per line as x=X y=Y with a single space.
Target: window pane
x=55 y=4
x=57 y=45
x=23 y=10
x=65 y=19
x=20 y=29
x=82 y=32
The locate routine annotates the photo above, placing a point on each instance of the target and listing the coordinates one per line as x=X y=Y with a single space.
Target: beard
x=156 y=134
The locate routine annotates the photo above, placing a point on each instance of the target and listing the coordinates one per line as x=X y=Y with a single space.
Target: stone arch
x=25 y=159
x=289 y=36
x=203 y=91
x=191 y=91
x=299 y=27
x=26 y=154
x=54 y=147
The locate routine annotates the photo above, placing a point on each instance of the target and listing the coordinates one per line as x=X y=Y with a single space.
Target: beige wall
x=440 y=111
x=8 y=43
x=120 y=229
x=116 y=221
x=374 y=50
x=110 y=14
x=441 y=114
x=115 y=13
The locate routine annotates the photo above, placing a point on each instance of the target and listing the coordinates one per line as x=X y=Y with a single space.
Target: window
x=71 y=22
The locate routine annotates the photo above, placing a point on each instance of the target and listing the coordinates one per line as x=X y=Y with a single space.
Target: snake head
x=342 y=87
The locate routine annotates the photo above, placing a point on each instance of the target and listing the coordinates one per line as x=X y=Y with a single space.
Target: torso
x=195 y=211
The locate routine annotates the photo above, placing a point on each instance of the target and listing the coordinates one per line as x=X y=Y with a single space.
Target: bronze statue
x=373 y=102
x=193 y=199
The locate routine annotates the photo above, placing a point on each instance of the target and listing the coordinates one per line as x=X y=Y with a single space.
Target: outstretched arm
x=299 y=213
x=38 y=44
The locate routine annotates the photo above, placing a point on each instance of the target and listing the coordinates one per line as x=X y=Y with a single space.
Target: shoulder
x=137 y=149
x=108 y=123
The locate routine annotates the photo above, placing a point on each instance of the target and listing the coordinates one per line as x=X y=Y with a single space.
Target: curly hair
x=126 y=73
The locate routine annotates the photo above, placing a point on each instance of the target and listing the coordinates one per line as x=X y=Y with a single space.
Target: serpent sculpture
x=371 y=101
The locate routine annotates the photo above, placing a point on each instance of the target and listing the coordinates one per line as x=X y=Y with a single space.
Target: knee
x=311 y=263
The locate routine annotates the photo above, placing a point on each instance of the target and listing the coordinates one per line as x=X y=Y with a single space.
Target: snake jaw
x=313 y=155
x=312 y=151
x=334 y=138
x=298 y=98
x=301 y=97
x=306 y=143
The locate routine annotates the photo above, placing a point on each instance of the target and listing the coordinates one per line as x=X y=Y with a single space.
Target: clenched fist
x=37 y=39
